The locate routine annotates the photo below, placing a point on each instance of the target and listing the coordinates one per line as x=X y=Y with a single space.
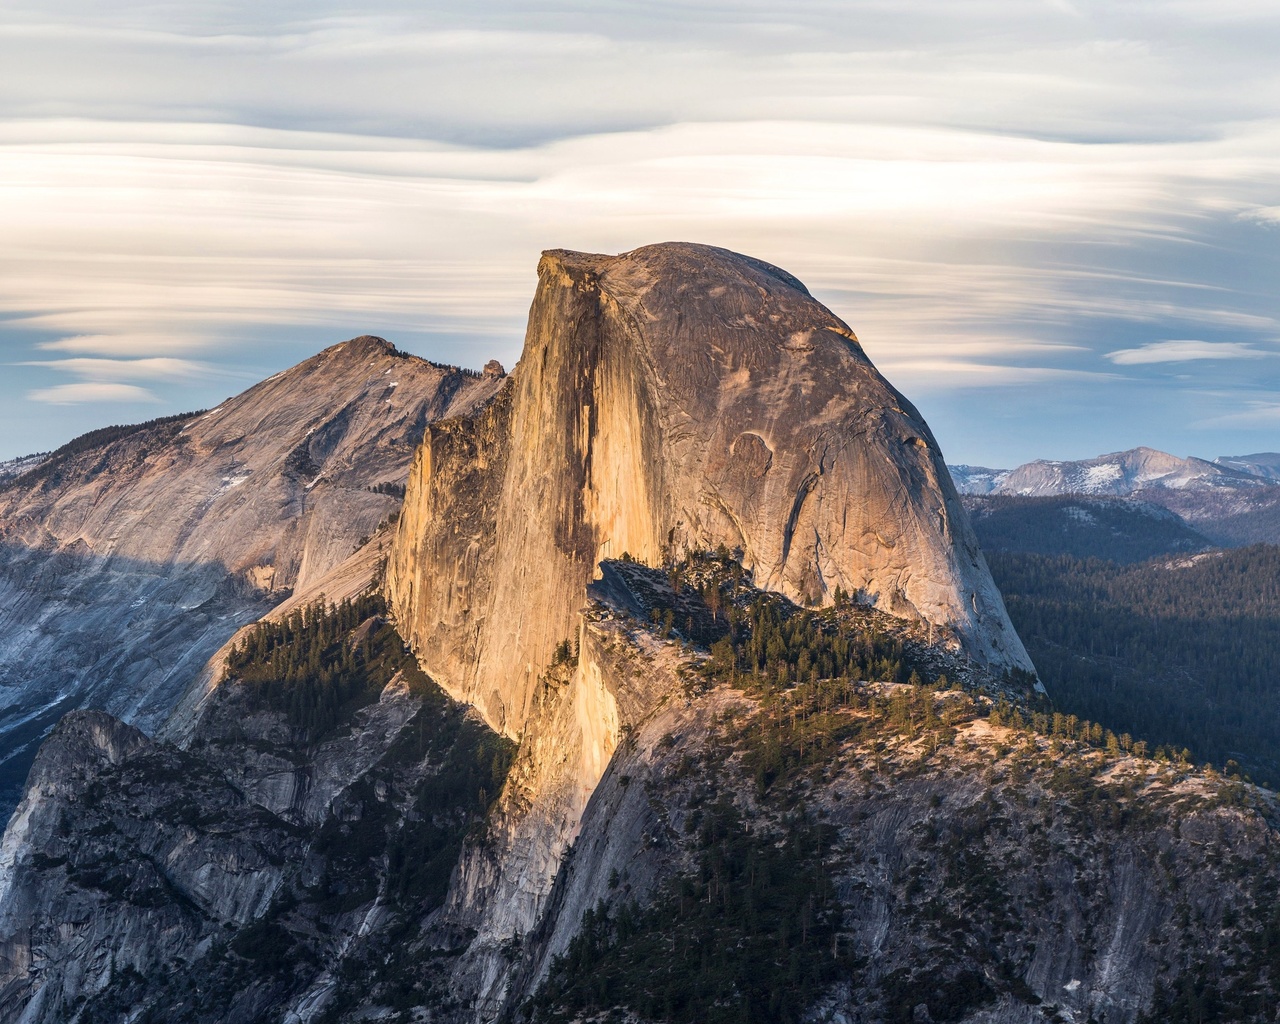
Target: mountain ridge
x=1117 y=474
x=1121 y=529
x=1220 y=499
x=128 y=556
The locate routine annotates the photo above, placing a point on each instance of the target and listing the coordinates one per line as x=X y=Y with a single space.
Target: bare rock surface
x=130 y=863
x=979 y=873
x=581 y=713
x=124 y=565
x=671 y=399
x=347 y=580
x=142 y=851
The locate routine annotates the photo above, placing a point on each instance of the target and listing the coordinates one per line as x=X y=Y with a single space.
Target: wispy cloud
x=118 y=345
x=79 y=394
x=157 y=368
x=1185 y=350
x=1255 y=413
x=1262 y=214
x=959 y=375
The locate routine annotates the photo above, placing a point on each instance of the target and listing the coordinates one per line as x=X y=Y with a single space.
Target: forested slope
x=1117 y=529
x=1180 y=652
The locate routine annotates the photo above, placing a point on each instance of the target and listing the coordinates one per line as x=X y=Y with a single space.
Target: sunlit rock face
x=126 y=565
x=676 y=398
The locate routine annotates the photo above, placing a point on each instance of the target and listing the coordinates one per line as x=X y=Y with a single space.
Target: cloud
x=78 y=394
x=1262 y=215
x=134 y=343
x=1257 y=413
x=212 y=227
x=959 y=375
x=158 y=368
x=1184 y=351
x=490 y=73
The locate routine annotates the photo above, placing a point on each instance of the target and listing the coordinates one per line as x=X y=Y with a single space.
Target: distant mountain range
x=1261 y=464
x=1121 y=474
x=1233 y=500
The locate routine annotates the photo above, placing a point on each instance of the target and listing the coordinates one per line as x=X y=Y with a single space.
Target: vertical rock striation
x=674 y=398
x=580 y=714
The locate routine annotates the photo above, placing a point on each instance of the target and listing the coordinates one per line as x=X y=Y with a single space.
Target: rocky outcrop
x=584 y=707
x=355 y=575
x=229 y=881
x=127 y=561
x=120 y=854
x=567 y=825
x=676 y=398
x=994 y=878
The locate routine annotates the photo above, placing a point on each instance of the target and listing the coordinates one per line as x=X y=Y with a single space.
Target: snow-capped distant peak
x=977 y=479
x=1120 y=473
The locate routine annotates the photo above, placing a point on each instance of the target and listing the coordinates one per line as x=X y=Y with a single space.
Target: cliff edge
x=673 y=399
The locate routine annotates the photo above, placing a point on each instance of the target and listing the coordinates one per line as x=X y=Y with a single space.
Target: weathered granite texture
x=676 y=398
x=124 y=567
x=580 y=715
x=672 y=399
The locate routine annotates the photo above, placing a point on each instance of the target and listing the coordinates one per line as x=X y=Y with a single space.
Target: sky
x=1054 y=226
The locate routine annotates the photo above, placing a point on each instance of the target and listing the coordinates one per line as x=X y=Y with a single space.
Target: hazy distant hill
x=1116 y=529
x=1263 y=464
x=977 y=479
x=1120 y=473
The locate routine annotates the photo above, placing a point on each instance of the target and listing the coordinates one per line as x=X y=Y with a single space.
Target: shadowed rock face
x=124 y=566
x=84 y=936
x=669 y=399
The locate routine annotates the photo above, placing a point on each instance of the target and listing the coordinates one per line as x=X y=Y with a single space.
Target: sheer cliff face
x=675 y=398
x=125 y=566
